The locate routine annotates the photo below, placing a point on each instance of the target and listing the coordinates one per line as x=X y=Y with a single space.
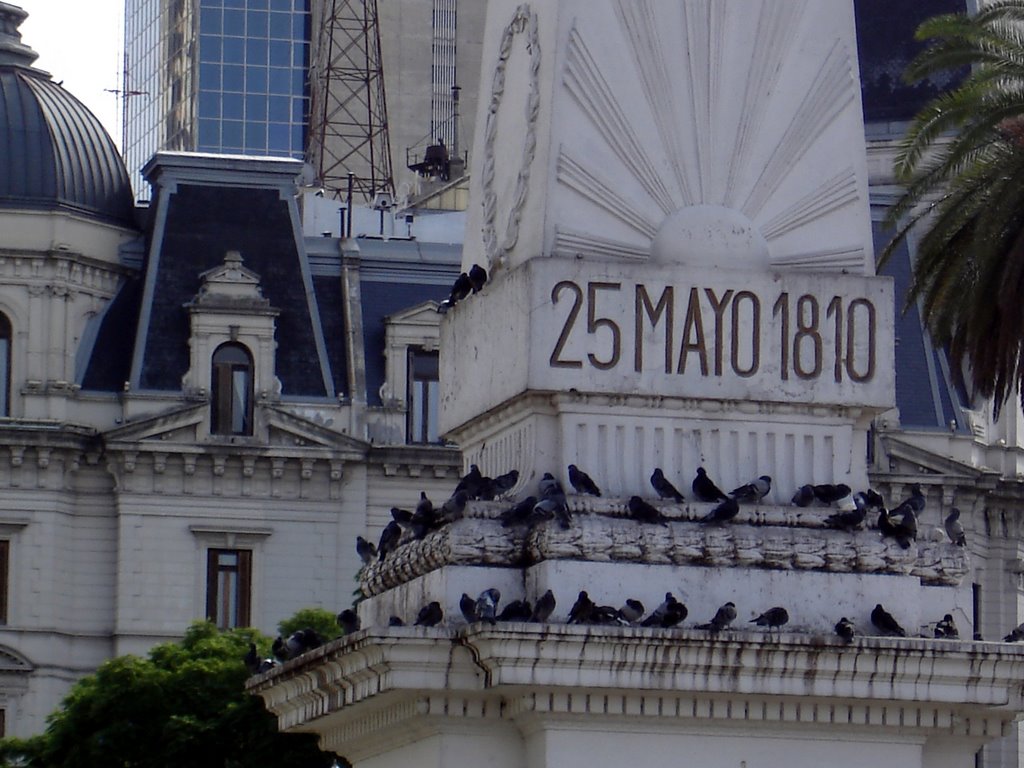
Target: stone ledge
x=372 y=684
x=770 y=537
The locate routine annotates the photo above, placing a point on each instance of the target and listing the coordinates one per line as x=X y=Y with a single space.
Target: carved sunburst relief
x=682 y=116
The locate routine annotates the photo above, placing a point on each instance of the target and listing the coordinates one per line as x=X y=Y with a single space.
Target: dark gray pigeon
x=467 y=605
x=581 y=482
x=664 y=488
x=753 y=491
x=543 y=608
x=461 y=288
x=772 y=618
x=667 y=615
x=829 y=494
x=955 y=529
x=454 y=508
x=722 y=513
x=848 y=521
x=394 y=621
x=487 y=605
x=518 y=514
x=401 y=516
x=252 y=659
x=581 y=610
x=846 y=630
x=885 y=623
x=705 y=489
x=430 y=615
x=389 y=539
x=804 y=496
x=471 y=483
x=348 y=620
x=1016 y=634
x=505 y=483
x=549 y=509
x=517 y=610
x=723 y=617
x=550 y=488
x=644 y=512
x=477 y=277
x=947 y=628
x=366 y=550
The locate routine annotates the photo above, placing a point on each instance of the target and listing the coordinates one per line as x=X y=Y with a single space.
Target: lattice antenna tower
x=348 y=113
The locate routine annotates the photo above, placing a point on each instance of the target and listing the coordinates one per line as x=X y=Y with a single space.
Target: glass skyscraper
x=224 y=76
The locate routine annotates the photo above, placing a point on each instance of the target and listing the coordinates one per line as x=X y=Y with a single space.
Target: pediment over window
x=289 y=429
x=232 y=282
x=421 y=314
x=12 y=661
x=178 y=425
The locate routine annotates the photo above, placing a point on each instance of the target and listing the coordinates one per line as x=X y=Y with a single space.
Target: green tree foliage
x=324 y=622
x=184 y=705
x=962 y=162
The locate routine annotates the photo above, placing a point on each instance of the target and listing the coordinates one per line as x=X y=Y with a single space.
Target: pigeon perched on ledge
x=772 y=618
x=705 y=489
x=947 y=628
x=955 y=529
x=804 y=496
x=753 y=491
x=664 y=488
x=723 y=617
x=430 y=615
x=348 y=620
x=581 y=482
x=667 y=615
x=722 y=513
x=885 y=623
x=846 y=630
x=543 y=608
x=645 y=512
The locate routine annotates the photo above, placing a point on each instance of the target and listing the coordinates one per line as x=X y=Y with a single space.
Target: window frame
x=215 y=600
x=223 y=390
x=418 y=421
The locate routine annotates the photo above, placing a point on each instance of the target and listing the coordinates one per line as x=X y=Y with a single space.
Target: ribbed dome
x=54 y=153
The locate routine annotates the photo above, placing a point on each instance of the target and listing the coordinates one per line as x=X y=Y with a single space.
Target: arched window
x=6 y=337
x=231 y=408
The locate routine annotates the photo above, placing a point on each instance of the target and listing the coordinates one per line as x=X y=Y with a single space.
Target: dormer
x=232 y=349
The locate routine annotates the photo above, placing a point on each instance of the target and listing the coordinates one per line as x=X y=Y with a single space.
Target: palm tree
x=962 y=164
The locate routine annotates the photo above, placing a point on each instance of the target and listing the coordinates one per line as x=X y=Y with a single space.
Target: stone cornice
x=516 y=671
x=762 y=536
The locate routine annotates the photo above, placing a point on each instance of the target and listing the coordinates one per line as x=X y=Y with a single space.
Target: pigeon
x=846 y=521
x=550 y=488
x=517 y=610
x=394 y=621
x=772 y=618
x=519 y=514
x=265 y=666
x=366 y=550
x=548 y=509
x=487 y=605
x=664 y=488
x=722 y=513
x=666 y=615
x=471 y=483
x=1016 y=634
x=543 y=608
x=704 y=488
x=301 y=641
x=505 y=483
x=885 y=623
x=278 y=649
x=753 y=491
x=430 y=615
x=454 y=508
x=872 y=500
x=723 y=617
x=468 y=607
x=829 y=494
x=607 y=615
x=389 y=538
x=461 y=288
x=845 y=629
x=900 y=524
x=632 y=611
x=804 y=496
x=947 y=628
x=644 y=512
x=581 y=610
x=348 y=620
x=581 y=482
x=955 y=529
x=477 y=277
x=424 y=518
x=401 y=516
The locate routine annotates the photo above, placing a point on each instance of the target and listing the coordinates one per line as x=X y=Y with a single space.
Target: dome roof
x=54 y=153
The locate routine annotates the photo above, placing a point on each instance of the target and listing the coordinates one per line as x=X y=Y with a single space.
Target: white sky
x=80 y=42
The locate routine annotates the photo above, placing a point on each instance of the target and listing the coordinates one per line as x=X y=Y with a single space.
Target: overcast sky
x=80 y=42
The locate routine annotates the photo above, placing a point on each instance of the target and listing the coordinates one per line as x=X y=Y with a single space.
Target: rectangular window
x=424 y=396
x=228 y=581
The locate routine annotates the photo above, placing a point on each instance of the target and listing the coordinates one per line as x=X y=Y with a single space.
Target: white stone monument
x=671 y=199
x=671 y=202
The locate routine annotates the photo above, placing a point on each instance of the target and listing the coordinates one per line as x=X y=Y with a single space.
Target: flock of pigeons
x=551 y=504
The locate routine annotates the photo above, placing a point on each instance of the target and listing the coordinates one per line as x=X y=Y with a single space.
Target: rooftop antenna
x=123 y=94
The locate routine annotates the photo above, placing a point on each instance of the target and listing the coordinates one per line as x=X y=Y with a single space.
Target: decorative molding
x=524 y=21
x=601 y=192
x=829 y=196
x=762 y=536
x=572 y=243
